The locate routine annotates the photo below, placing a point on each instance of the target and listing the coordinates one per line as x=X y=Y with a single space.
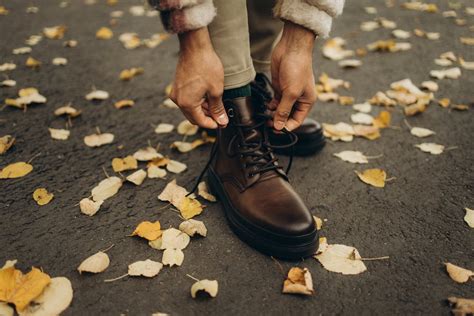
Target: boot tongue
x=243 y=111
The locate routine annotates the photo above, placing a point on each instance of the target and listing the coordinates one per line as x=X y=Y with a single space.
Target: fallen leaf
x=469 y=65
x=55 y=298
x=382 y=99
x=421 y=132
x=126 y=163
x=469 y=217
x=187 y=128
x=458 y=274
x=461 y=306
x=192 y=227
x=190 y=207
x=430 y=86
x=352 y=156
x=124 y=103
x=42 y=196
x=104 y=33
x=173 y=257
x=8 y=83
x=340 y=131
x=164 y=128
x=341 y=259
x=96 y=263
x=54 y=32
x=20 y=289
x=67 y=110
x=362 y=118
x=298 y=281
x=204 y=192
x=59 y=61
x=208 y=286
x=128 y=74
x=130 y=40
x=59 y=134
x=185 y=147
x=451 y=73
x=156 y=172
x=374 y=177
x=106 y=188
x=319 y=222
x=175 y=166
x=32 y=62
x=365 y=107
x=334 y=49
x=16 y=170
x=401 y=34
x=89 y=207
x=467 y=40
x=345 y=100
x=432 y=148
x=148 y=230
x=147 y=268
x=6 y=142
x=97 y=140
x=350 y=63
x=97 y=95
x=382 y=120
x=5 y=309
x=173 y=193
x=7 y=66
x=147 y=154
x=137 y=177
x=173 y=238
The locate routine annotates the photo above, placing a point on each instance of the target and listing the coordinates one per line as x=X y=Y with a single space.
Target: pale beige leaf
x=126 y=163
x=362 y=118
x=176 y=166
x=96 y=263
x=97 y=140
x=147 y=268
x=341 y=259
x=173 y=238
x=8 y=83
x=401 y=34
x=173 y=193
x=164 y=128
x=7 y=66
x=318 y=221
x=469 y=217
x=156 y=172
x=193 y=227
x=365 y=107
x=421 y=132
x=350 y=63
x=352 y=156
x=67 y=110
x=334 y=49
x=204 y=192
x=462 y=306
x=106 y=188
x=458 y=274
x=97 y=95
x=298 y=281
x=432 y=148
x=59 y=134
x=187 y=128
x=59 y=61
x=430 y=85
x=6 y=310
x=173 y=257
x=137 y=177
x=6 y=142
x=147 y=154
x=89 y=207
x=451 y=73
x=208 y=286
x=55 y=299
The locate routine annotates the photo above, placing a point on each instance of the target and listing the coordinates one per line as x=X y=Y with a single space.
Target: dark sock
x=243 y=91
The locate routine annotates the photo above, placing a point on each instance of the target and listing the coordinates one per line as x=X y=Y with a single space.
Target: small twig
x=33 y=157
x=279 y=266
x=374 y=157
x=190 y=276
x=451 y=148
x=117 y=278
x=390 y=179
x=376 y=258
x=149 y=143
x=394 y=127
x=407 y=124
x=105 y=172
x=98 y=130
x=107 y=249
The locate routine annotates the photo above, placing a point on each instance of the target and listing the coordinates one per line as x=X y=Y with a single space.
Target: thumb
x=217 y=110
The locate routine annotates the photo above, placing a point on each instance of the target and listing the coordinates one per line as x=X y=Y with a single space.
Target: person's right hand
x=199 y=81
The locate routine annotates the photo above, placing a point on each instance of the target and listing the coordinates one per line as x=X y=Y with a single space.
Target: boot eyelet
x=250 y=175
x=230 y=112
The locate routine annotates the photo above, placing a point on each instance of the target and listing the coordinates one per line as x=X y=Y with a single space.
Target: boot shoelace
x=259 y=151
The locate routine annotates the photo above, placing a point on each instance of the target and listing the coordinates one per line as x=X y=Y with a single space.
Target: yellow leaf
x=104 y=33
x=3 y=10
x=16 y=170
x=374 y=177
x=148 y=230
x=128 y=74
x=124 y=103
x=42 y=196
x=190 y=207
x=20 y=289
x=382 y=120
x=298 y=281
x=122 y=164
x=54 y=32
x=346 y=100
x=6 y=142
x=33 y=63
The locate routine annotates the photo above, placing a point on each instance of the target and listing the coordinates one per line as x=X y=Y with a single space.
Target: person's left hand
x=292 y=77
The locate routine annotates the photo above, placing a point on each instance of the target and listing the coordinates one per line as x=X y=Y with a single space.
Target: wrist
x=298 y=37
x=195 y=40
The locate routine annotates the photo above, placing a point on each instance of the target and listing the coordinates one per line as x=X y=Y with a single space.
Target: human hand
x=292 y=77
x=199 y=81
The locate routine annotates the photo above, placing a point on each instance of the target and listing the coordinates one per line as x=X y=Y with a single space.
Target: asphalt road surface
x=416 y=220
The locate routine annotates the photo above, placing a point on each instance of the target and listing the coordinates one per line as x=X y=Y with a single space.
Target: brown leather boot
x=261 y=206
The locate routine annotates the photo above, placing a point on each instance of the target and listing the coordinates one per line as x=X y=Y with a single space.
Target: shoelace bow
x=259 y=151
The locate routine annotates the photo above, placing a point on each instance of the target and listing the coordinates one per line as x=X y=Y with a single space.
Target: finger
x=217 y=110
x=283 y=110
x=200 y=118
x=300 y=112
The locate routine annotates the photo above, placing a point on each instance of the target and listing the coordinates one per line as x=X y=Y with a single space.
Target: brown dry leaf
x=208 y=286
x=341 y=259
x=106 y=189
x=461 y=306
x=124 y=103
x=59 y=134
x=6 y=142
x=382 y=120
x=147 y=268
x=187 y=128
x=96 y=263
x=374 y=177
x=128 y=74
x=67 y=110
x=469 y=217
x=122 y=164
x=458 y=274
x=193 y=227
x=20 y=289
x=204 y=192
x=148 y=230
x=104 y=33
x=298 y=281
x=137 y=177
x=190 y=207
x=55 y=298
x=97 y=140
x=42 y=196
x=89 y=207
x=32 y=63
x=54 y=32
x=16 y=170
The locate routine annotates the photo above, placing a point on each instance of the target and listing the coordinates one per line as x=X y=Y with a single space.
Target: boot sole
x=269 y=243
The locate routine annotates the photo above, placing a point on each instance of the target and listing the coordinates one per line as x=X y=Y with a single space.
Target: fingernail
x=279 y=125
x=222 y=119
